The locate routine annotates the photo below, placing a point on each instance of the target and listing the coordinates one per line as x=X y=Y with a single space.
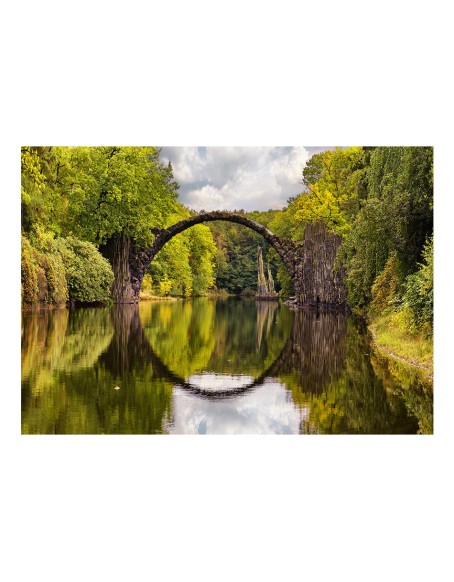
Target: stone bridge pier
x=316 y=282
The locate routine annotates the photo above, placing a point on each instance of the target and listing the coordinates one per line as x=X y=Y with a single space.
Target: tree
x=396 y=217
x=419 y=290
x=117 y=195
x=42 y=206
x=332 y=180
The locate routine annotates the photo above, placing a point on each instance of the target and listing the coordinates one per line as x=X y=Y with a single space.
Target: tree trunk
x=117 y=251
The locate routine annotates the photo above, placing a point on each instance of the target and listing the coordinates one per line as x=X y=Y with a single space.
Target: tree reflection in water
x=225 y=366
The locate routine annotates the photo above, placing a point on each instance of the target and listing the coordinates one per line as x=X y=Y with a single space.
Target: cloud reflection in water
x=267 y=409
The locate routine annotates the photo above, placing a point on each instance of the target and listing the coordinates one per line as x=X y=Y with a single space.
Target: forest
x=76 y=200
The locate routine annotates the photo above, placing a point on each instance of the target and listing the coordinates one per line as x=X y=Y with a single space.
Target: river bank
x=393 y=340
x=144 y=296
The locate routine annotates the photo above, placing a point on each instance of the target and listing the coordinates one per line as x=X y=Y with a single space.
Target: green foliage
x=380 y=199
x=333 y=181
x=88 y=273
x=187 y=261
x=113 y=190
x=285 y=281
x=42 y=273
x=285 y=224
x=41 y=203
x=335 y=184
x=29 y=272
x=171 y=265
x=387 y=286
x=365 y=252
x=164 y=286
x=313 y=170
x=56 y=279
x=147 y=284
x=55 y=270
x=396 y=217
x=418 y=297
x=96 y=192
x=202 y=252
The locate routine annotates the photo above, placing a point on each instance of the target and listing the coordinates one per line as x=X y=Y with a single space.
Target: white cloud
x=207 y=198
x=228 y=178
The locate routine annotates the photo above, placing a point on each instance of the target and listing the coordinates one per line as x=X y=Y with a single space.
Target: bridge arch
x=317 y=281
x=164 y=235
x=285 y=248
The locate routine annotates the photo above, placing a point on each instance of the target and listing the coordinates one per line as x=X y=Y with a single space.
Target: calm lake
x=204 y=366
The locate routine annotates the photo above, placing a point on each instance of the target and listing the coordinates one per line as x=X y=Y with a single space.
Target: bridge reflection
x=313 y=353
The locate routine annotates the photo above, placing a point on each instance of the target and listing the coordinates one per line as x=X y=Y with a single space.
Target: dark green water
x=212 y=367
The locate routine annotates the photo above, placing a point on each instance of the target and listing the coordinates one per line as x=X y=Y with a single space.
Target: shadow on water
x=212 y=366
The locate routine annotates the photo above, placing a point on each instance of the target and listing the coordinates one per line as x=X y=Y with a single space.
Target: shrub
x=56 y=279
x=386 y=287
x=88 y=274
x=42 y=274
x=418 y=297
x=29 y=273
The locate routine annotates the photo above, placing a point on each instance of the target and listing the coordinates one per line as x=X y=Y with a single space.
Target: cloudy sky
x=229 y=178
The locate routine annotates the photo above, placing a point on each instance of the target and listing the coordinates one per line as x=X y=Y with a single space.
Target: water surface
x=205 y=366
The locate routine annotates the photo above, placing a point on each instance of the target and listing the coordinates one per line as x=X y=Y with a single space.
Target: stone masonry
x=311 y=263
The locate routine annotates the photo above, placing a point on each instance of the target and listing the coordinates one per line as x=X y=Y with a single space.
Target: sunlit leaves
x=118 y=190
x=202 y=252
x=165 y=286
x=332 y=180
x=42 y=205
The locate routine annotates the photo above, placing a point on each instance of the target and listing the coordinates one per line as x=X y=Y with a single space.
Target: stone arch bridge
x=316 y=282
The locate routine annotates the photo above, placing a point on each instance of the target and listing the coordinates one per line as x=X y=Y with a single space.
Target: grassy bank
x=145 y=296
x=393 y=338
